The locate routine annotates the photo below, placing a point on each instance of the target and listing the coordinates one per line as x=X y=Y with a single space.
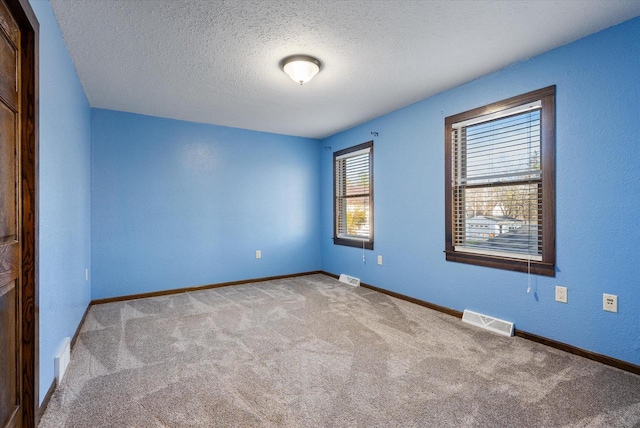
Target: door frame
x=29 y=348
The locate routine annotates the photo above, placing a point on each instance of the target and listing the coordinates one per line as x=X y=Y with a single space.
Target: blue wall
x=177 y=204
x=598 y=199
x=65 y=157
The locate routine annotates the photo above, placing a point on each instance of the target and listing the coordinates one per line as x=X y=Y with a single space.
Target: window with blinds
x=353 y=196
x=500 y=202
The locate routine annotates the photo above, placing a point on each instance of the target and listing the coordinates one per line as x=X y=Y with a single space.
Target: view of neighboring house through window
x=500 y=189
x=353 y=196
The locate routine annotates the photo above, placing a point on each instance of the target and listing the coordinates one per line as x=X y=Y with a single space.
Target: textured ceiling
x=216 y=61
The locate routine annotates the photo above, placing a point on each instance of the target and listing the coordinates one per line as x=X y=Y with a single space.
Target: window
x=353 y=196
x=500 y=184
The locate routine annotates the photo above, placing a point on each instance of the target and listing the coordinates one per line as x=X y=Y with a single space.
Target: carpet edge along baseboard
x=604 y=359
x=198 y=288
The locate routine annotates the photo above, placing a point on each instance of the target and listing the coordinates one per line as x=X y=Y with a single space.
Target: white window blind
x=353 y=195
x=497 y=184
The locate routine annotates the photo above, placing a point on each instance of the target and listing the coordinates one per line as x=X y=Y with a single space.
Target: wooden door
x=10 y=224
x=17 y=268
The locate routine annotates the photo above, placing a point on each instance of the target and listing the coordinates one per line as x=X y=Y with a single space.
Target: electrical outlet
x=609 y=302
x=561 y=294
x=379 y=259
x=258 y=254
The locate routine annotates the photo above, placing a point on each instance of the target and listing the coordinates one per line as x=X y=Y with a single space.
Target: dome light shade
x=301 y=68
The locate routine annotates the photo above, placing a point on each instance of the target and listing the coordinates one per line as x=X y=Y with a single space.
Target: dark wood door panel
x=8 y=24
x=9 y=264
x=8 y=352
x=18 y=214
x=11 y=317
x=8 y=176
x=9 y=64
x=8 y=72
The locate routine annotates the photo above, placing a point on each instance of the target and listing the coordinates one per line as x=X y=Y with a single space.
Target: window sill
x=357 y=243
x=518 y=265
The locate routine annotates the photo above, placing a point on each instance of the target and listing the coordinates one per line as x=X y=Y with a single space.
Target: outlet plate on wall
x=561 y=294
x=609 y=302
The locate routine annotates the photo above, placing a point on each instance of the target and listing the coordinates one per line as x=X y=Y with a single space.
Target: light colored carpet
x=312 y=352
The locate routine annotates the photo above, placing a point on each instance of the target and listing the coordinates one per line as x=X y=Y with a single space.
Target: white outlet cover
x=379 y=260
x=561 y=294
x=258 y=254
x=609 y=302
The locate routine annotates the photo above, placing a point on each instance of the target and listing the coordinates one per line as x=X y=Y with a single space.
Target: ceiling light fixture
x=301 y=68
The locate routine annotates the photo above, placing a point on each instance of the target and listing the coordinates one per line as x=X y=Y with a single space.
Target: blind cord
x=529 y=274
x=529 y=218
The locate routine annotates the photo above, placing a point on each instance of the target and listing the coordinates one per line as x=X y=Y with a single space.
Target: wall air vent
x=351 y=280
x=496 y=325
x=62 y=358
